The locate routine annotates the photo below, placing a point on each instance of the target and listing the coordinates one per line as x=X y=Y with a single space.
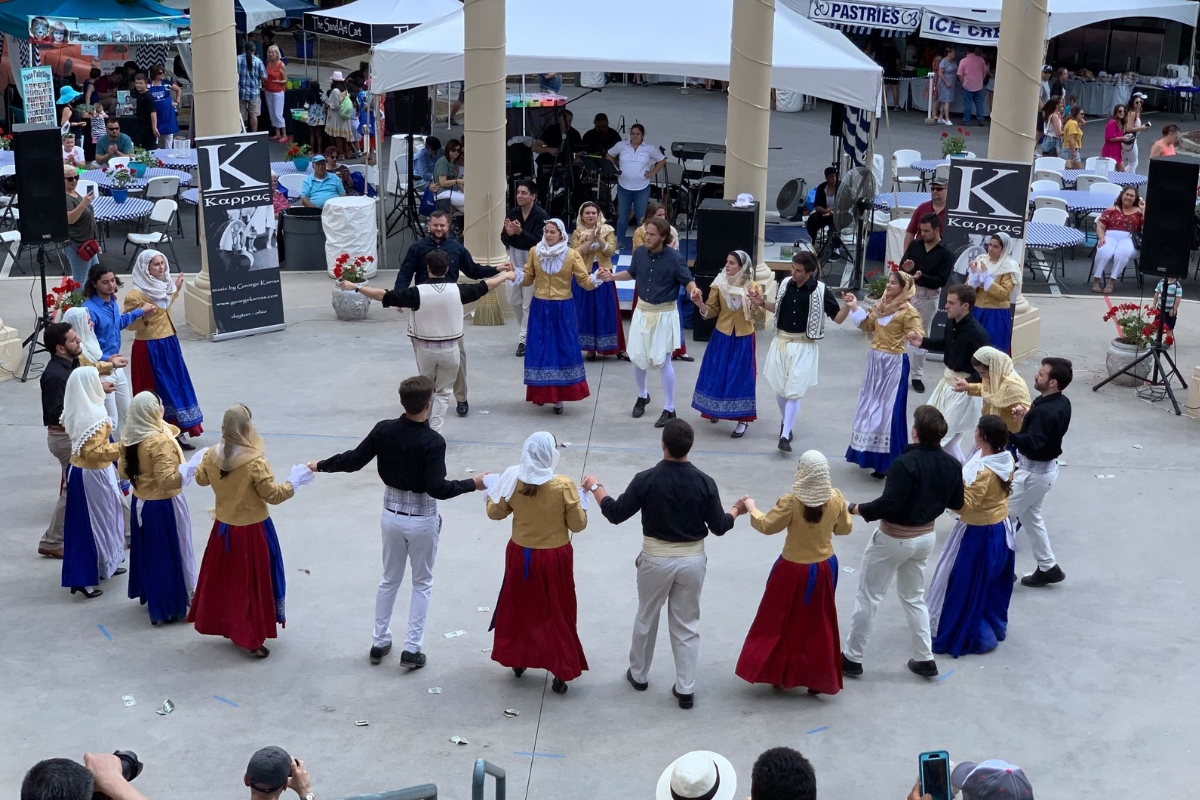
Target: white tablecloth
x=1098 y=99
x=349 y=225
x=895 y=239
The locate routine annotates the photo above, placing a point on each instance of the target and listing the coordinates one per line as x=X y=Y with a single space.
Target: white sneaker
x=947 y=122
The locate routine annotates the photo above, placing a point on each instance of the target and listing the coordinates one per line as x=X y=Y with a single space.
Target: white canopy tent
x=374 y=21
x=808 y=58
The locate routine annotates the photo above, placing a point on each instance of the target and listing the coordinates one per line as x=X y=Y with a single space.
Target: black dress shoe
x=119 y=571
x=784 y=445
x=412 y=660
x=918 y=385
x=184 y=444
x=682 y=357
x=590 y=357
x=877 y=475
x=852 y=668
x=622 y=356
x=639 y=407
x=462 y=408
x=1044 y=577
x=739 y=431
x=520 y=349
x=926 y=669
x=664 y=418
x=518 y=671
x=559 y=686
x=641 y=687
x=377 y=653
x=790 y=437
x=96 y=593
x=685 y=700
x=558 y=409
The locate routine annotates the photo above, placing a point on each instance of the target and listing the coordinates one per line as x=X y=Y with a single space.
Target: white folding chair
x=163 y=214
x=165 y=186
x=1085 y=182
x=903 y=159
x=967 y=154
x=1053 y=163
x=293 y=183
x=83 y=186
x=1110 y=191
x=10 y=246
x=7 y=200
x=1051 y=216
x=1100 y=165
x=1044 y=186
x=1050 y=202
x=118 y=161
x=1050 y=176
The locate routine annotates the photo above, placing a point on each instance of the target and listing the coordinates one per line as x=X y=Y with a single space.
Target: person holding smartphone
x=81 y=226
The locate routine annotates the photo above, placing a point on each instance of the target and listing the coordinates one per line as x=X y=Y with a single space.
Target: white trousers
x=440 y=365
x=1029 y=490
x=406 y=539
x=1118 y=248
x=519 y=297
x=456 y=198
x=904 y=559
x=926 y=302
x=677 y=582
x=275 y=108
x=116 y=402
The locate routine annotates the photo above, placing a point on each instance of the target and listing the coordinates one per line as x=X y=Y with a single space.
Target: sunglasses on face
x=72 y=180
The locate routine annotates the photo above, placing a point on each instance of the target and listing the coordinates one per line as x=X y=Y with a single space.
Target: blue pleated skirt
x=881 y=420
x=598 y=317
x=974 y=614
x=552 y=357
x=157 y=366
x=998 y=322
x=725 y=386
x=162 y=568
x=93 y=527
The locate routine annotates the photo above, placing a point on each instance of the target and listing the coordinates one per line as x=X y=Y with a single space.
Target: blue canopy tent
x=249 y=14
x=15 y=14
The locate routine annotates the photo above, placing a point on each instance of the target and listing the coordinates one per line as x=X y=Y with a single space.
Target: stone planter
x=1121 y=355
x=350 y=306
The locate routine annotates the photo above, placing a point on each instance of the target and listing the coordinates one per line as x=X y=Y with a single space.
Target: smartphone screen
x=935 y=774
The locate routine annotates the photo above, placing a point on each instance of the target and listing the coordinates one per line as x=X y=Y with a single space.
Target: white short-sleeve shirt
x=635 y=164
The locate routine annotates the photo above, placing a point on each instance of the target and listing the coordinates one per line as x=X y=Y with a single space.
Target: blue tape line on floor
x=540 y=755
x=107 y=635
x=225 y=701
x=947 y=675
x=817 y=730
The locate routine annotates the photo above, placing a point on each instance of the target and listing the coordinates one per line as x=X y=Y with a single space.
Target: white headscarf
x=1000 y=463
x=551 y=257
x=733 y=290
x=158 y=291
x=539 y=457
x=1005 y=265
x=79 y=320
x=83 y=407
x=812 y=486
x=145 y=420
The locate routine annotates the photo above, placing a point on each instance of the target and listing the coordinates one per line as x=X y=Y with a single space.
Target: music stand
x=407 y=211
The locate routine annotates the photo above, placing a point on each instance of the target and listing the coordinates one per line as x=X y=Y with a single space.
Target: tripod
x=406 y=213
x=33 y=341
x=1158 y=351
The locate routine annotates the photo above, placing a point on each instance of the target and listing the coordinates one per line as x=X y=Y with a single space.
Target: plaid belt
x=408 y=504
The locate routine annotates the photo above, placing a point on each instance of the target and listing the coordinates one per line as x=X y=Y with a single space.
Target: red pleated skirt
x=534 y=622
x=236 y=593
x=545 y=395
x=794 y=640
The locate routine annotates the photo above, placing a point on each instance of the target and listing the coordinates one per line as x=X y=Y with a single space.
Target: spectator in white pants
x=1114 y=238
x=921 y=484
x=411 y=459
x=680 y=505
x=522 y=231
x=435 y=323
x=1039 y=444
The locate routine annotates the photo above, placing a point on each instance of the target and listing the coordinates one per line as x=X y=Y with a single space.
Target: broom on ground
x=488 y=310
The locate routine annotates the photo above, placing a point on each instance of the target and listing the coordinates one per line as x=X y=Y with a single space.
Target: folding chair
x=164 y=213
x=165 y=186
x=903 y=159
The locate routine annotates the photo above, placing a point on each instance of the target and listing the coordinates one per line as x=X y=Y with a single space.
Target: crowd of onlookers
x=779 y=773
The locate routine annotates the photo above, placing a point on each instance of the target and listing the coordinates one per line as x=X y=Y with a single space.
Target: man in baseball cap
x=991 y=780
x=271 y=770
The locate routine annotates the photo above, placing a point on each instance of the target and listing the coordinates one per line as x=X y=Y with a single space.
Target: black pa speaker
x=1170 y=216
x=790 y=201
x=37 y=153
x=702 y=328
x=721 y=228
x=409 y=111
x=837 y=114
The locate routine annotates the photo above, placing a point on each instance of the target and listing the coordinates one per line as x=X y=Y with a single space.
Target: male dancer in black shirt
x=411 y=459
x=931 y=265
x=679 y=506
x=921 y=484
x=962 y=337
x=522 y=231
x=1039 y=444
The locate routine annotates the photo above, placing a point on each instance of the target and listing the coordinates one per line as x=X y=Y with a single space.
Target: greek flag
x=856 y=135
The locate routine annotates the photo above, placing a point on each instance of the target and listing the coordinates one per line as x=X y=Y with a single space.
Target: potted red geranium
x=350 y=306
x=1137 y=327
x=300 y=156
x=68 y=294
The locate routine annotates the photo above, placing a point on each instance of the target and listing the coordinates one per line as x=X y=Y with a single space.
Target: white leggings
x=1117 y=248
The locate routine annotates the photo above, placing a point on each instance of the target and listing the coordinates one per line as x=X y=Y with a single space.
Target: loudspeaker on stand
x=37 y=154
x=1170 y=220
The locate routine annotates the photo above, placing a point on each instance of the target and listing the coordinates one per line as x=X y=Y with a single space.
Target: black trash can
x=303 y=239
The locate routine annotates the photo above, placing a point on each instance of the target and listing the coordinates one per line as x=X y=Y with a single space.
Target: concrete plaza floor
x=1092 y=693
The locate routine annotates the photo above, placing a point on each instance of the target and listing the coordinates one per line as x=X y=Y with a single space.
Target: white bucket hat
x=698 y=775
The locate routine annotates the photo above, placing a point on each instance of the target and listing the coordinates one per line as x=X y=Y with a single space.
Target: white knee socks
x=790 y=409
x=639 y=377
x=668 y=385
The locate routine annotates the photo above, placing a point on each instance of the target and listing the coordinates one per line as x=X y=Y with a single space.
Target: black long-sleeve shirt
x=936 y=264
x=921 y=484
x=658 y=275
x=791 y=312
x=679 y=503
x=410 y=297
x=409 y=455
x=1043 y=429
x=531 y=228
x=54 y=387
x=413 y=265
x=959 y=343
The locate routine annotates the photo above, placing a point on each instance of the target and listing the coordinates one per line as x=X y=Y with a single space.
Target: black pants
x=815 y=222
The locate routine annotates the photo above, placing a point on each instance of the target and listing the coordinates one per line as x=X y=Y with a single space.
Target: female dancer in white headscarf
x=794 y=640
x=997 y=280
x=725 y=386
x=554 y=370
x=972 y=585
x=157 y=364
x=534 y=621
x=94 y=529
x=598 y=312
x=91 y=355
x=162 y=566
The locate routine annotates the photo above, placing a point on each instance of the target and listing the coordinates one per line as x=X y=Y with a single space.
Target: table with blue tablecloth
x=1077 y=202
x=104 y=179
x=1119 y=178
x=883 y=200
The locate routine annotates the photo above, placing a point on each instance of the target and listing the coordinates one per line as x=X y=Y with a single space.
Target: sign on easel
x=37 y=89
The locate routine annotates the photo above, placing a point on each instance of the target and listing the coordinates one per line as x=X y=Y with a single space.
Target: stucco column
x=1013 y=132
x=214 y=112
x=748 y=119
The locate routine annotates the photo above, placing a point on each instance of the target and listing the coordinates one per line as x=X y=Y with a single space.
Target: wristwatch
x=594 y=487
x=355 y=289
x=310 y=796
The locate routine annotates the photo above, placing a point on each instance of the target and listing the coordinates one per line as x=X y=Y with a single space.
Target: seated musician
x=601 y=138
x=822 y=213
x=549 y=142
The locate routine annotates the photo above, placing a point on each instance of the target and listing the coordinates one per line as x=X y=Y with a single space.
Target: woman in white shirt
x=638 y=161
